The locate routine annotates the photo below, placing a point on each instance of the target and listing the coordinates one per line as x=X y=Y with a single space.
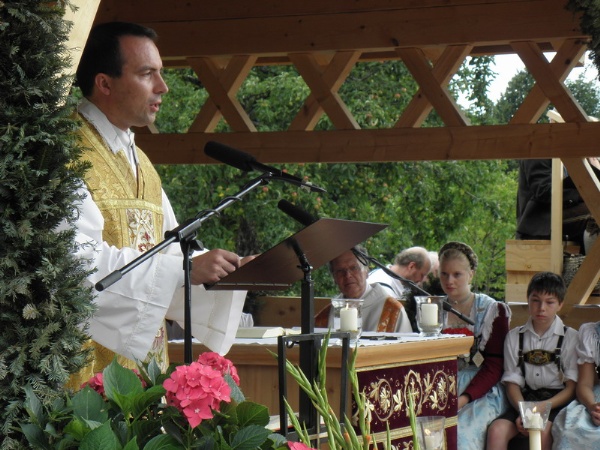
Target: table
x=385 y=370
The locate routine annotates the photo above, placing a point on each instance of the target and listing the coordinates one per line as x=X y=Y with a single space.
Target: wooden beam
x=550 y=84
x=180 y=11
x=223 y=96
x=230 y=78
x=522 y=141
x=81 y=15
x=324 y=92
x=443 y=70
x=333 y=75
x=436 y=92
x=448 y=23
x=561 y=65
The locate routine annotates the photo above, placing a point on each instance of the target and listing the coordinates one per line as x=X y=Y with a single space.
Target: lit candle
x=429 y=314
x=535 y=429
x=535 y=439
x=348 y=319
x=430 y=439
x=536 y=421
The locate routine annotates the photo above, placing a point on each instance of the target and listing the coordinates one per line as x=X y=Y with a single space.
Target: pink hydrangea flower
x=220 y=363
x=96 y=383
x=197 y=390
x=298 y=446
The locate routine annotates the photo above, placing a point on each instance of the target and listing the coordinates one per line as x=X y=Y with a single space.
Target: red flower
x=96 y=383
x=465 y=331
x=219 y=363
x=298 y=446
x=197 y=390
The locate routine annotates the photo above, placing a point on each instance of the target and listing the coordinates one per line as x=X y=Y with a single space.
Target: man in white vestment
x=125 y=212
x=381 y=311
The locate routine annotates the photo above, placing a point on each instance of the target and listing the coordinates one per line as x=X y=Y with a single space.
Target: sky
x=507 y=67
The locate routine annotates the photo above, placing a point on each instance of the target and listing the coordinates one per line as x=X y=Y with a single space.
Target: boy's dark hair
x=547 y=283
x=102 y=52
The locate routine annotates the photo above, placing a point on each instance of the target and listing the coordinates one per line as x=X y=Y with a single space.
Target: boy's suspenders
x=539 y=357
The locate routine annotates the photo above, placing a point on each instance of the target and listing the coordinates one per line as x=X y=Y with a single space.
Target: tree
x=424 y=203
x=42 y=298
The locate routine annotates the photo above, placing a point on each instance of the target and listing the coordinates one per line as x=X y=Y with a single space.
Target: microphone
x=296 y=213
x=248 y=163
x=461 y=316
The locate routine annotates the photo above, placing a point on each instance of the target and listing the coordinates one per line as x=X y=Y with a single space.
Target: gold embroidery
x=133 y=217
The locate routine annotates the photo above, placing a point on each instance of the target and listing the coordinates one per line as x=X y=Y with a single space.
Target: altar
x=386 y=370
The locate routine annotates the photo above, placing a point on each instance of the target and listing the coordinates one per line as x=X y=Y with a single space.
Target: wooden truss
x=222 y=41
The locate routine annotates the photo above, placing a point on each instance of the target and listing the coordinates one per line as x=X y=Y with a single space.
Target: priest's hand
x=213 y=265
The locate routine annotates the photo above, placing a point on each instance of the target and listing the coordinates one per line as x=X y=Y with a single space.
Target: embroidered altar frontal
x=434 y=387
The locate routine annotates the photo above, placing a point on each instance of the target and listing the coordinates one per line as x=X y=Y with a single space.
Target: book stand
x=276 y=269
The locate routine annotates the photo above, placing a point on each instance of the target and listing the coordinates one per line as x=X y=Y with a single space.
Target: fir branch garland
x=42 y=298
x=589 y=22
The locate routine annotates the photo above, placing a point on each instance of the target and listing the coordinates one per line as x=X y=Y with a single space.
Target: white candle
x=348 y=319
x=430 y=442
x=429 y=314
x=432 y=439
x=536 y=421
x=535 y=439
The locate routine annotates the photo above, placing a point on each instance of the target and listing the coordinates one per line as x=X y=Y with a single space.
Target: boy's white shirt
x=546 y=376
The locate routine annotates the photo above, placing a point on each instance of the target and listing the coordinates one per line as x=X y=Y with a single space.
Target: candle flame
x=534 y=410
x=427 y=431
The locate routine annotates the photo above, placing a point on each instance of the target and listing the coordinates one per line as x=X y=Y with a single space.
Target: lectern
x=289 y=261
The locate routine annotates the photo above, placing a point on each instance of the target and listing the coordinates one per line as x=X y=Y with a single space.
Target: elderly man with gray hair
x=412 y=264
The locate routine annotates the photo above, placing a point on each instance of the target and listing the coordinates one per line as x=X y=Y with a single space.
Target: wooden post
x=82 y=19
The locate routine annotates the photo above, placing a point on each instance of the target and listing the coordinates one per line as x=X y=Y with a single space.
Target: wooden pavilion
x=222 y=41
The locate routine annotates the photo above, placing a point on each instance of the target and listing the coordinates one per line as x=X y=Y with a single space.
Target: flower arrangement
x=125 y=409
x=464 y=331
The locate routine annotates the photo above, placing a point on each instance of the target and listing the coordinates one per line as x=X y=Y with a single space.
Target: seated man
x=380 y=312
x=412 y=264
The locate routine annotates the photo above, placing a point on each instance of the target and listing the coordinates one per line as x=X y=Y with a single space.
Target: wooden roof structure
x=222 y=40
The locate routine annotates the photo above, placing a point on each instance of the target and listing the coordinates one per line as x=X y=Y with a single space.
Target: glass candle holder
x=430 y=314
x=534 y=416
x=347 y=316
x=430 y=432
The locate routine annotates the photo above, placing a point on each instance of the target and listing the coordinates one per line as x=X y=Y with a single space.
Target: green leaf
x=33 y=405
x=79 y=428
x=163 y=442
x=132 y=445
x=35 y=436
x=102 y=438
x=89 y=405
x=250 y=413
x=143 y=401
x=153 y=371
x=236 y=393
x=249 y=438
x=121 y=385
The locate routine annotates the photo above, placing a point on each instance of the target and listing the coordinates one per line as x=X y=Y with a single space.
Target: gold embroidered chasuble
x=133 y=217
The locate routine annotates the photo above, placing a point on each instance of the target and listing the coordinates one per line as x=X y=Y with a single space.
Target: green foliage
x=131 y=415
x=587 y=94
x=42 y=300
x=589 y=22
x=424 y=203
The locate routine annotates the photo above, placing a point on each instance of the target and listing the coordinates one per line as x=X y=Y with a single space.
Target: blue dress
x=475 y=417
x=573 y=427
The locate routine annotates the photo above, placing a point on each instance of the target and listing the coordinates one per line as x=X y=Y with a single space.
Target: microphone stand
x=185 y=234
x=412 y=285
